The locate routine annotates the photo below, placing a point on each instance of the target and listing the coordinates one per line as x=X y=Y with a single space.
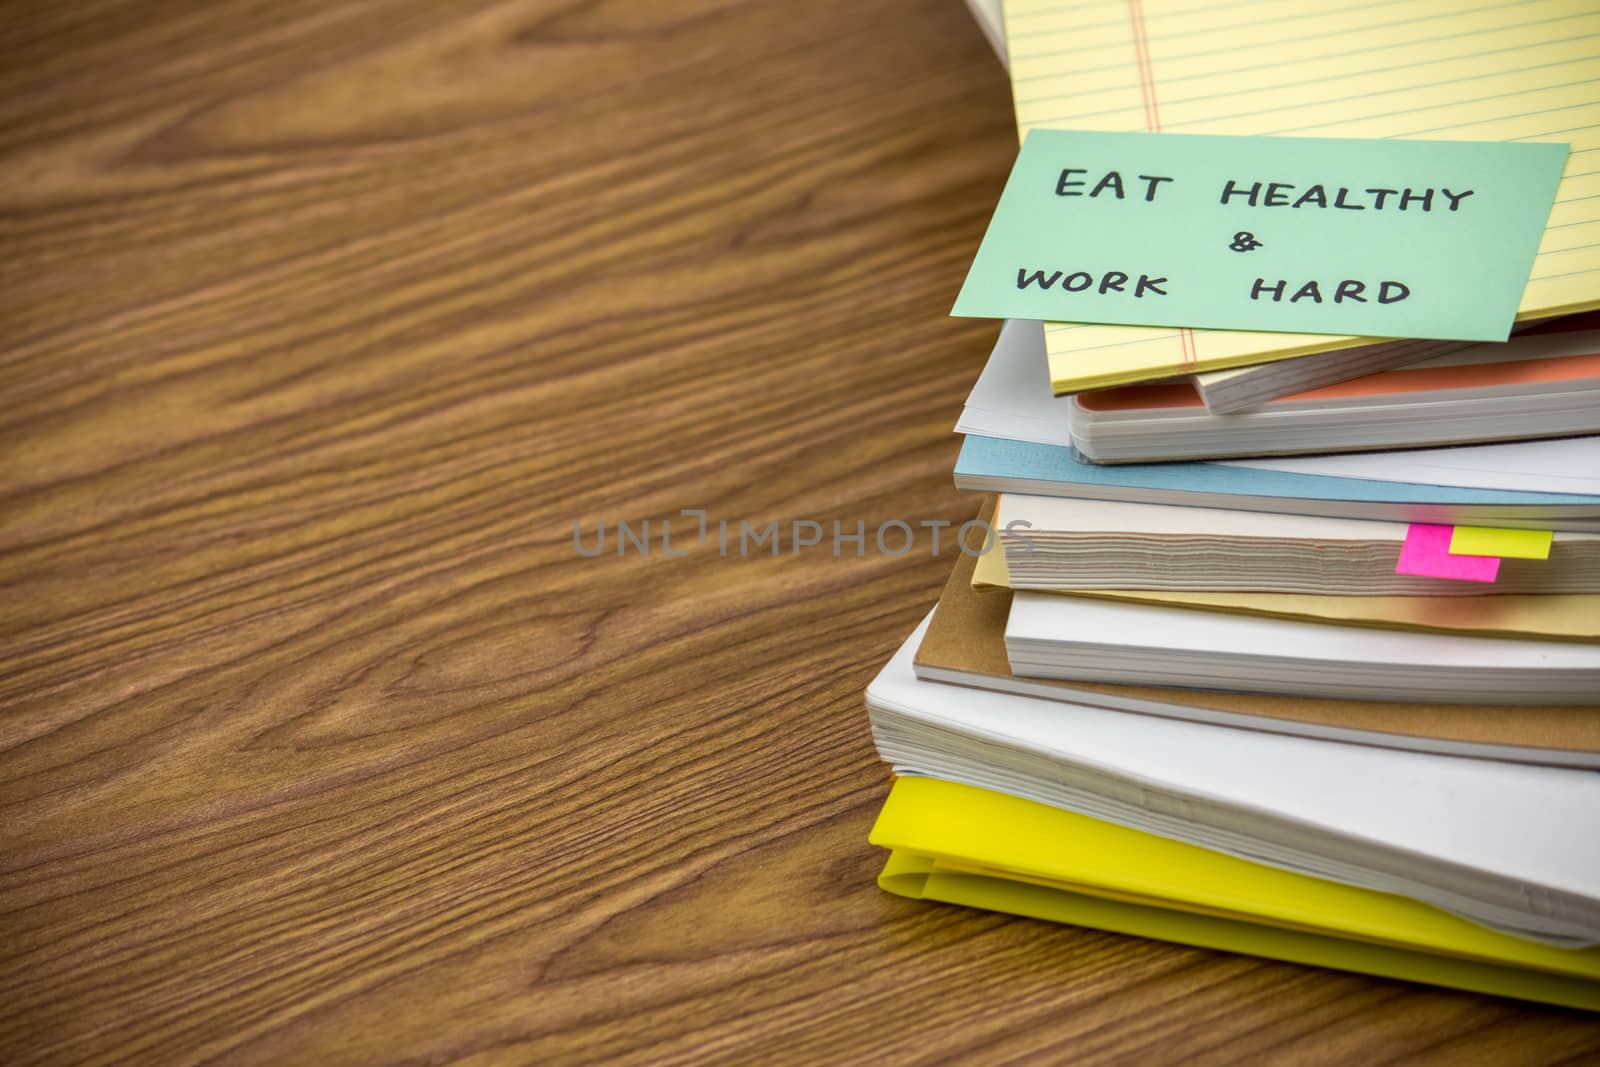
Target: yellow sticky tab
x=1507 y=544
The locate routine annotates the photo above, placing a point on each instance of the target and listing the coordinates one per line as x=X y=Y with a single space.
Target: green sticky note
x=1297 y=234
x=1507 y=544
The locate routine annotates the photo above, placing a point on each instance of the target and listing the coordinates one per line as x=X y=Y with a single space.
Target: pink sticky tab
x=1426 y=552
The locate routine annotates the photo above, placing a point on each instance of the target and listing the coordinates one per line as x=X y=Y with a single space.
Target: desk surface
x=321 y=743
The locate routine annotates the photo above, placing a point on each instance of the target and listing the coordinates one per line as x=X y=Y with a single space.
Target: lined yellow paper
x=1525 y=70
x=1507 y=544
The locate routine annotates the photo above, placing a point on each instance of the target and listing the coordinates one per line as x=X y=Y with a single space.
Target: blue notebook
x=994 y=464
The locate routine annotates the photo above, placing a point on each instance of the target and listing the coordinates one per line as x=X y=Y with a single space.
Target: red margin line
x=1152 y=122
x=1147 y=78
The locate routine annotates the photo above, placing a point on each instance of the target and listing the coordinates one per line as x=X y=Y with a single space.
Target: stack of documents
x=1284 y=633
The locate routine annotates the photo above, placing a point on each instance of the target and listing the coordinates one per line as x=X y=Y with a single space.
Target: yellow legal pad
x=1425 y=70
x=963 y=845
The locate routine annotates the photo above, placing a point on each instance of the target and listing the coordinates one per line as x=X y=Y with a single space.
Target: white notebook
x=1088 y=640
x=1565 y=465
x=1507 y=845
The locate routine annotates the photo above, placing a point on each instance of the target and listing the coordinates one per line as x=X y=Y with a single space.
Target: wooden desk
x=322 y=744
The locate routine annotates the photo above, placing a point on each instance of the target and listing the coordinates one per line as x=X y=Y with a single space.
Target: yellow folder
x=963 y=845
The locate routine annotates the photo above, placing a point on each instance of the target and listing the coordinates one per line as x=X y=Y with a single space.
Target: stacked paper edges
x=1301 y=657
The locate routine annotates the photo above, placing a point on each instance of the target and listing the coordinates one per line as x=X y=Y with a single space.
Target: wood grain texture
x=320 y=744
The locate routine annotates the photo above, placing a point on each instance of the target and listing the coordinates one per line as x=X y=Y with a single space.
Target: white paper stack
x=1506 y=845
x=1091 y=640
x=1053 y=543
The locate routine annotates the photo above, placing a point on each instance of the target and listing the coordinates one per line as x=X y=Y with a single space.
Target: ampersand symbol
x=1244 y=241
